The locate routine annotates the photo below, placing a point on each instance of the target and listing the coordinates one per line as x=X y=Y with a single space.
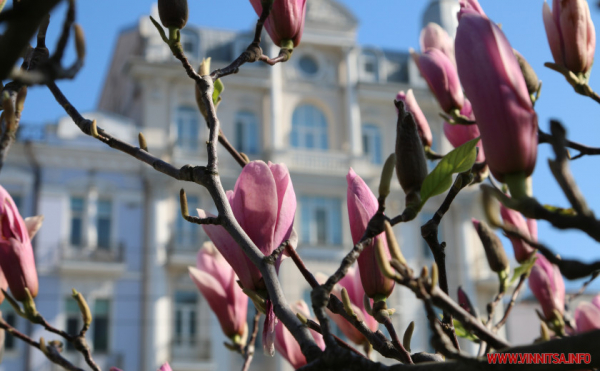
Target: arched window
x=371 y=135
x=189 y=42
x=309 y=128
x=246 y=132
x=369 y=66
x=188 y=128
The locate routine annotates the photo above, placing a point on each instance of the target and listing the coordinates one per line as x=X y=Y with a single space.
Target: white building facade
x=113 y=228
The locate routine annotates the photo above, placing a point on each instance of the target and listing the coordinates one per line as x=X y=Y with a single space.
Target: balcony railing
x=328 y=162
x=111 y=254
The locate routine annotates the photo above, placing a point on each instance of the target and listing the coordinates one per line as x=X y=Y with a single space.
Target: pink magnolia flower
x=587 y=316
x=413 y=107
x=3 y=285
x=285 y=343
x=458 y=135
x=493 y=81
x=548 y=286
x=165 y=367
x=362 y=205
x=286 y=21
x=571 y=34
x=440 y=73
x=523 y=251
x=264 y=204
x=352 y=283
x=467 y=6
x=16 y=254
x=434 y=36
x=216 y=280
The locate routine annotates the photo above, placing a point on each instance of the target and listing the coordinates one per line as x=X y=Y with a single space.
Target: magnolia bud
x=173 y=13
x=411 y=165
x=465 y=302
x=494 y=251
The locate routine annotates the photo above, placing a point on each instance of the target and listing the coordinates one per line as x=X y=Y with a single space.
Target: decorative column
x=351 y=103
x=277 y=141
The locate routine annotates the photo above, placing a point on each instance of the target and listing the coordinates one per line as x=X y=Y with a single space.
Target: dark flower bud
x=173 y=13
x=465 y=303
x=411 y=165
x=494 y=251
x=531 y=80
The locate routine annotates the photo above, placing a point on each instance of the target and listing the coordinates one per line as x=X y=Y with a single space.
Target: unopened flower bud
x=494 y=251
x=531 y=79
x=84 y=308
x=173 y=13
x=386 y=176
x=79 y=41
x=411 y=165
x=465 y=302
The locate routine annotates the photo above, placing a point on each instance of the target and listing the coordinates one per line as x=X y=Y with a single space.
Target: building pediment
x=329 y=14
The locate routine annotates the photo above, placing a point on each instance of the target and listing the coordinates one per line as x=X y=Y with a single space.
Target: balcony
x=183 y=248
x=325 y=162
x=91 y=260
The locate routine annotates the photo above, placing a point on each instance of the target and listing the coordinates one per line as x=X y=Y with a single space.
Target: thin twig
x=583 y=149
x=511 y=304
x=249 y=348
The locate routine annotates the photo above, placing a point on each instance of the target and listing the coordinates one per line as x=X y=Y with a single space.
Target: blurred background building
x=113 y=228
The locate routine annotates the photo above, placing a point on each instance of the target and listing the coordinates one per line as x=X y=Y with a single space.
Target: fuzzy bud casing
x=173 y=13
x=494 y=251
x=411 y=165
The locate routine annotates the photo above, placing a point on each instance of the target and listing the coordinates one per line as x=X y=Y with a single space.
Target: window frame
x=248 y=122
x=82 y=216
x=187 y=126
x=366 y=57
x=371 y=133
x=309 y=123
x=309 y=205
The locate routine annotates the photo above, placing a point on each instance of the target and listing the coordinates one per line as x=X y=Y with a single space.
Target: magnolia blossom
x=587 y=316
x=440 y=73
x=264 y=204
x=412 y=106
x=571 y=34
x=16 y=254
x=434 y=36
x=173 y=13
x=216 y=280
x=3 y=285
x=492 y=79
x=523 y=250
x=470 y=6
x=362 y=205
x=286 y=344
x=353 y=285
x=548 y=286
x=458 y=135
x=286 y=20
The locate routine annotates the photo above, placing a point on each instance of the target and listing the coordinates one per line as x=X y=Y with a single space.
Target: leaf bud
x=494 y=251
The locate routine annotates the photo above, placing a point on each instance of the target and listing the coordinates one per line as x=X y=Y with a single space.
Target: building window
x=187 y=235
x=101 y=325
x=9 y=315
x=246 y=132
x=371 y=136
x=369 y=66
x=309 y=128
x=189 y=42
x=77 y=216
x=186 y=313
x=308 y=65
x=18 y=201
x=188 y=128
x=103 y=223
x=321 y=220
x=72 y=320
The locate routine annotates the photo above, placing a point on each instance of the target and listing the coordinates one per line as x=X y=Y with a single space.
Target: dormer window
x=308 y=65
x=368 y=64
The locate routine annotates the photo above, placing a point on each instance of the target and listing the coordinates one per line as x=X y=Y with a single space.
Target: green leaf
x=458 y=160
x=219 y=87
x=462 y=332
x=523 y=268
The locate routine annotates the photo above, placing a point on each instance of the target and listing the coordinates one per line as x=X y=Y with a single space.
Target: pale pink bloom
x=352 y=283
x=458 y=134
x=286 y=21
x=587 y=317
x=548 y=286
x=165 y=367
x=16 y=254
x=440 y=73
x=434 y=36
x=362 y=205
x=492 y=79
x=285 y=343
x=412 y=106
x=571 y=34
x=216 y=280
x=467 y=6
x=522 y=250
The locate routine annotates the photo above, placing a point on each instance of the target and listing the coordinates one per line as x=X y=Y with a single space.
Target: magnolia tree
x=486 y=91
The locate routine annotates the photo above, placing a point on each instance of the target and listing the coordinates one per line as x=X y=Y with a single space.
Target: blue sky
x=393 y=24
